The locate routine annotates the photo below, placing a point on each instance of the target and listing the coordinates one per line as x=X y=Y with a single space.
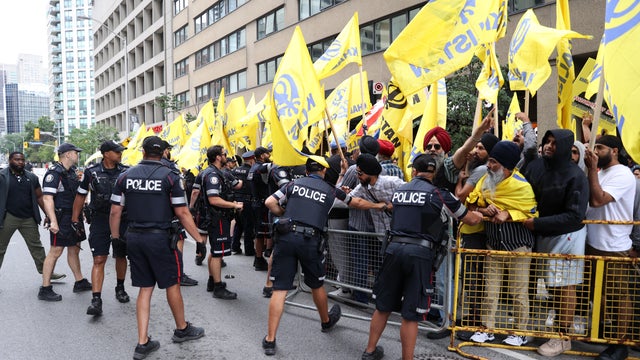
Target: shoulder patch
x=48 y=178
x=282 y=173
x=214 y=180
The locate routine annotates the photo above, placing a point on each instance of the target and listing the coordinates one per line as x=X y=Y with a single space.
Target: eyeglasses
x=433 y=146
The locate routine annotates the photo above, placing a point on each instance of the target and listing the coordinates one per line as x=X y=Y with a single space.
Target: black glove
x=78 y=228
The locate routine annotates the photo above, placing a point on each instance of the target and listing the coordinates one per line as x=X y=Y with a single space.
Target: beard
x=604 y=160
x=475 y=162
x=439 y=160
x=16 y=168
x=492 y=180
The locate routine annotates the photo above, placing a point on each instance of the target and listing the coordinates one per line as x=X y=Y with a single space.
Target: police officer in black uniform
x=185 y=280
x=59 y=190
x=245 y=221
x=153 y=195
x=100 y=179
x=258 y=178
x=217 y=189
x=404 y=280
x=300 y=230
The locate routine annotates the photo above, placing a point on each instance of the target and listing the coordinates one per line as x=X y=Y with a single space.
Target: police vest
x=147 y=190
x=258 y=182
x=278 y=176
x=308 y=201
x=66 y=188
x=241 y=173
x=101 y=186
x=415 y=214
x=226 y=192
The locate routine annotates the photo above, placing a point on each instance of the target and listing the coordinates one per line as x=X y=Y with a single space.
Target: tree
x=462 y=97
x=169 y=103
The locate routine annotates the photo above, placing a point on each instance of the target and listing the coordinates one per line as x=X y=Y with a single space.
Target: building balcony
x=55 y=39
x=56 y=70
x=54 y=9
x=54 y=28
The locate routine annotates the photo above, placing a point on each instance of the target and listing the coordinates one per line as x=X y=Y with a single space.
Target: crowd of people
x=504 y=196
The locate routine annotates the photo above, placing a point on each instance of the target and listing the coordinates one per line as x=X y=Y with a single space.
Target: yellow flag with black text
x=132 y=154
x=565 y=68
x=490 y=79
x=511 y=125
x=175 y=132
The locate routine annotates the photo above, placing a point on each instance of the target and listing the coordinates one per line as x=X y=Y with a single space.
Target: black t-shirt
x=19 y=198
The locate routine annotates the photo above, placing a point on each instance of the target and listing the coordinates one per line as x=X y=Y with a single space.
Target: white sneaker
x=554 y=347
x=515 y=340
x=481 y=337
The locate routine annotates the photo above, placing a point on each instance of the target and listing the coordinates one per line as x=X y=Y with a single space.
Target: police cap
x=111 y=145
x=153 y=145
x=260 y=150
x=248 y=155
x=313 y=165
x=63 y=148
x=424 y=163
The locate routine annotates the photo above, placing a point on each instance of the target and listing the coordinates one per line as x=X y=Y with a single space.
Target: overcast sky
x=23 y=29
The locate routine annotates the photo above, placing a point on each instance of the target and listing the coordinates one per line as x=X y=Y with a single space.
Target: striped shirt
x=391 y=169
x=381 y=191
x=508 y=236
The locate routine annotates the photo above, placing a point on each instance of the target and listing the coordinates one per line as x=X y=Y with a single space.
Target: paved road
x=34 y=329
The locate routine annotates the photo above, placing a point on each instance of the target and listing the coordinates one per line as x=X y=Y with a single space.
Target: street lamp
x=126 y=69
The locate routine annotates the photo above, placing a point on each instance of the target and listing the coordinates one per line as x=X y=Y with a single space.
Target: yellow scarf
x=513 y=194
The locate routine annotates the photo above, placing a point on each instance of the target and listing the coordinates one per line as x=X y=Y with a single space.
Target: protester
x=384 y=156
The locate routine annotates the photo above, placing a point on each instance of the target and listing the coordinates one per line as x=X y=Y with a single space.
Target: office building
x=25 y=103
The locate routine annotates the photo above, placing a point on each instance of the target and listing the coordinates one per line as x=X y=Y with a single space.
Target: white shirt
x=619 y=182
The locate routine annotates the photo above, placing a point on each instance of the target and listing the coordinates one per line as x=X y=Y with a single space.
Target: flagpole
x=597 y=111
x=335 y=135
x=478 y=113
x=495 y=119
x=362 y=93
x=526 y=102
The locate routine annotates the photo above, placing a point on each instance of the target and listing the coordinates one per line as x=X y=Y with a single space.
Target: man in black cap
x=299 y=240
x=245 y=221
x=100 y=179
x=59 y=190
x=404 y=280
x=154 y=195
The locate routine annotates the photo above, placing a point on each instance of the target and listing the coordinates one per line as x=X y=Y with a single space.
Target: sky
x=23 y=29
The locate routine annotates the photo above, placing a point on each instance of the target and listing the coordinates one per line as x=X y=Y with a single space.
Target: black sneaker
x=267 y=291
x=221 y=292
x=260 y=264
x=82 y=285
x=334 y=316
x=210 y=285
x=56 y=276
x=142 y=350
x=223 y=264
x=122 y=295
x=376 y=354
x=189 y=333
x=236 y=251
x=269 y=346
x=47 y=294
x=187 y=281
x=95 y=308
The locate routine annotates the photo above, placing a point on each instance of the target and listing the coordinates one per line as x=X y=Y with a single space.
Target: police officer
x=59 y=190
x=416 y=225
x=258 y=178
x=299 y=239
x=244 y=222
x=185 y=280
x=217 y=190
x=100 y=180
x=153 y=196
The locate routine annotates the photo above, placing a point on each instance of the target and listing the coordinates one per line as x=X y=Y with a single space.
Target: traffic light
x=36 y=134
x=25 y=144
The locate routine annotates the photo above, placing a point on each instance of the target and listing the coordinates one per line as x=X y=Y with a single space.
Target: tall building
x=25 y=103
x=8 y=75
x=237 y=44
x=129 y=38
x=71 y=66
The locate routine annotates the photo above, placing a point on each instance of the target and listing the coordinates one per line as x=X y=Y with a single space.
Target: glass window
x=366 y=39
x=233 y=42
x=223 y=47
x=242 y=42
x=262 y=73
x=242 y=80
x=397 y=24
x=180 y=36
x=270 y=23
x=382 y=34
x=233 y=83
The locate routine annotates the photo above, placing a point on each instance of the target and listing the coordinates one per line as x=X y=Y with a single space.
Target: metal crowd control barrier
x=605 y=298
x=353 y=260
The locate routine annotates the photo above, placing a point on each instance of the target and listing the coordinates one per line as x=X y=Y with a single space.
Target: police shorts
x=220 y=237
x=262 y=225
x=290 y=249
x=65 y=235
x=152 y=260
x=201 y=223
x=100 y=238
x=404 y=281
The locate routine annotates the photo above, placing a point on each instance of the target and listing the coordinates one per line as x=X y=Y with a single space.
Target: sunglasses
x=433 y=146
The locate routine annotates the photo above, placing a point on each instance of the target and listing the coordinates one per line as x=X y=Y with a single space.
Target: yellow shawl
x=513 y=194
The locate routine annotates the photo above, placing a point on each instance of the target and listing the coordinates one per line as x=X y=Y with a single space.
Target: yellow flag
x=217 y=127
x=298 y=101
x=260 y=113
x=441 y=39
x=622 y=70
x=566 y=70
x=206 y=115
x=193 y=125
x=132 y=154
x=529 y=52
x=193 y=154
x=343 y=50
x=511 y=125
x=490 y=79
x=174 y=133
x=395 y=115
x=236 y=111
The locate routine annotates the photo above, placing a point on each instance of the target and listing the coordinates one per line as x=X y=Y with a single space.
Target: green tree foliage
x=462 y=97
x=89 y=140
